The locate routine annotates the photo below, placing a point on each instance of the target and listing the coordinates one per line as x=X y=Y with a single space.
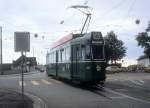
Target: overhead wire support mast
x=87 y=13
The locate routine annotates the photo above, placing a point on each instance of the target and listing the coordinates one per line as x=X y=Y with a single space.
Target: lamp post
x=1 y=56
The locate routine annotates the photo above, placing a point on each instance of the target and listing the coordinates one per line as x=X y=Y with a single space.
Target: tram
x=78 y=57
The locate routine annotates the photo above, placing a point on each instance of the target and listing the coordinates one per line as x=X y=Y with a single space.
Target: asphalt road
x=124 y=90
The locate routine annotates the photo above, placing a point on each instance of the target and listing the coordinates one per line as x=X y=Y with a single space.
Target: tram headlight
x=98 y=68
x=87 y=67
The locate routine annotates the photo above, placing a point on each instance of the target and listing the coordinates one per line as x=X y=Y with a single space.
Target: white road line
x=46 y=82
x=141 y=81
x=34 y=82
x=126 y=96
x=20 y=83
x=117 y=97
x=135 y=82
x=58 y=82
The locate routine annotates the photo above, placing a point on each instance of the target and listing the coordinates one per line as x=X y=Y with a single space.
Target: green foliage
x=115 y=49
x=144 y=41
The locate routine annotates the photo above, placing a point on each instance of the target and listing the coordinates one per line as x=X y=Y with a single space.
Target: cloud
x=43 y=17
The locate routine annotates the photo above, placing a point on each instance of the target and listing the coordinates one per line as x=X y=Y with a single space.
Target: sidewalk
x=11 y=99
x=16 y=71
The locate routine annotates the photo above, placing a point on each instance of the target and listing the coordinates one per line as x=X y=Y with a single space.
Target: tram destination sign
x=97 y=37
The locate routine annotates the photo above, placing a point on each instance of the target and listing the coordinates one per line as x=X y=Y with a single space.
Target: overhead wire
x=117 y=6
x=113 y=8
x=131 y=8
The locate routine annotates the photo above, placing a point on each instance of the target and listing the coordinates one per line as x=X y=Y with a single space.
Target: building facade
x=144 y=61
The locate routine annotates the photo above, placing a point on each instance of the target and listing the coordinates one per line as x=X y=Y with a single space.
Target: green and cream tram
x=78 y=57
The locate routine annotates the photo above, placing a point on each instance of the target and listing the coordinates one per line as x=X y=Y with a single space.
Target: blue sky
x=43 y=17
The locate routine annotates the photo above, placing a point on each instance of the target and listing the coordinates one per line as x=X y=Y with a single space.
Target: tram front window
x=97 y=51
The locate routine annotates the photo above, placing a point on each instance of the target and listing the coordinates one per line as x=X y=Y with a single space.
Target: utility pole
x=1 y=53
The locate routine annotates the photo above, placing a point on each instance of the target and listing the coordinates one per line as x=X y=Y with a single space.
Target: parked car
x=113 y=69
x=147 y=69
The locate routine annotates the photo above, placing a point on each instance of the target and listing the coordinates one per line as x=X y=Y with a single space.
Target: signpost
x=22 y=44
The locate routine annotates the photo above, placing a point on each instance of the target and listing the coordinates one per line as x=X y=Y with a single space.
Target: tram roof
x=72 y=38
x=65 y=39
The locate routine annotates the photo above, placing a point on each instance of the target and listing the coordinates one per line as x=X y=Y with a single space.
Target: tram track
x=119 y=95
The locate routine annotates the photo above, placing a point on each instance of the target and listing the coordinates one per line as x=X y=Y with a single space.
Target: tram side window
x=59 y=56
x=82 y=52
x=78 y=52
x=62 y=55
x=73 y=53
x=87 y=52
x=54 y=59
x=47 y=59
x=67 y=53
x=50 y=58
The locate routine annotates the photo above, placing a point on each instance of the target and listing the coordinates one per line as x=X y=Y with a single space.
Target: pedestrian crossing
x=35 y=83
x=52 y=81
x=138 y=82
x=46 y=82
x=39 y=82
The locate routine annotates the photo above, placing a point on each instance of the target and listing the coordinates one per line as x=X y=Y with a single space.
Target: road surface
x=124 y=90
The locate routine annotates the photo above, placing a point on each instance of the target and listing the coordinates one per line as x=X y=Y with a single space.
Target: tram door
x=76 y=57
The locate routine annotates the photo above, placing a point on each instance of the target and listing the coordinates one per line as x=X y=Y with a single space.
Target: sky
x=43 y=17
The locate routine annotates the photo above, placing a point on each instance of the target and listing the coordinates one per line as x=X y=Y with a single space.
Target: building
x=29 y=61
x=143 y=61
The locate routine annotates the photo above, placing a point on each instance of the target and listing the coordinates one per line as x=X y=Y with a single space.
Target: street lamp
x=1 y=56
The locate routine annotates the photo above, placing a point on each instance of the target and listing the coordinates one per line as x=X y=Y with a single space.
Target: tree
x=115 y=49
x=144 y=41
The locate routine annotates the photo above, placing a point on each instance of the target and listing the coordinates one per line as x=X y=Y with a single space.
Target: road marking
x=135 y=82
x=121 y=89
x=20 y=83
x=117 y=97
x=58 y=82
x=34 y=82
x=141 y=81
x=127 y=96
x=46 y=82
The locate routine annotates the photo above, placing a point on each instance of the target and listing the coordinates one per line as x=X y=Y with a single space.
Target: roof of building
x=30 y=59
